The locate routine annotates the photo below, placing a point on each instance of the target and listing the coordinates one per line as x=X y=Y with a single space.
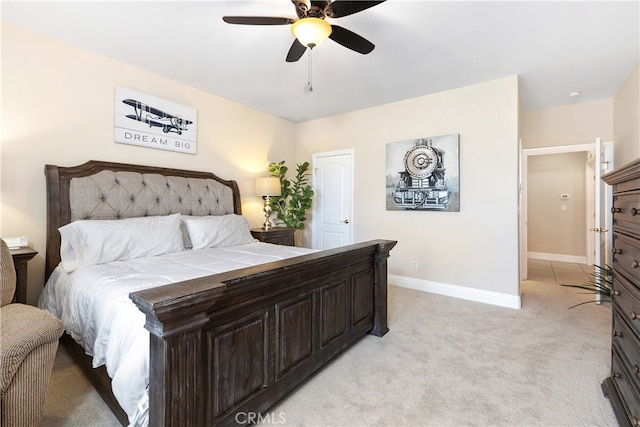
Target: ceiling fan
x=311 y=29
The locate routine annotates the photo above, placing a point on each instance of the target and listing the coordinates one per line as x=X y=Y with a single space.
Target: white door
x=333 y=201
x=601 y=229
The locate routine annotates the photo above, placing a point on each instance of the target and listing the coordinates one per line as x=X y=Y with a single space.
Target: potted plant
x=600 y=283
x=296 y=195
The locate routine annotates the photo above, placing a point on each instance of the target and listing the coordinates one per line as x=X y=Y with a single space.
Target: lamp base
x=267 y=214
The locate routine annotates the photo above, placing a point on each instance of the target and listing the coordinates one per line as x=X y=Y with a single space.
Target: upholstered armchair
x=28 y=344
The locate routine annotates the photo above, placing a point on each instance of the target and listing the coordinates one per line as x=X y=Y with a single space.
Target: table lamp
x=267 y=187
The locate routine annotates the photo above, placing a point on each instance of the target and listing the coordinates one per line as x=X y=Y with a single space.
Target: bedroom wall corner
x=476 y=248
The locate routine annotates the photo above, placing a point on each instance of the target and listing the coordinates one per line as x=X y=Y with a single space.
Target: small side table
x=276 y=235
x=20 y=258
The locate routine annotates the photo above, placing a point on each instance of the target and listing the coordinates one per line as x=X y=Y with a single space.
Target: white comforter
x=93 y=303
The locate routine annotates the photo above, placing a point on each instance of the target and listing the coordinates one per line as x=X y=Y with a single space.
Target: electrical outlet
x=16 y=242
x=414 y=265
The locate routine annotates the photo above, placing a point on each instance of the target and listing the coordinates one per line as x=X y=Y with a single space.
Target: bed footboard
x=227 y=347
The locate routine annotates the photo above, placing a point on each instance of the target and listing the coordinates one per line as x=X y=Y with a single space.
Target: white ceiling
x=422 y=47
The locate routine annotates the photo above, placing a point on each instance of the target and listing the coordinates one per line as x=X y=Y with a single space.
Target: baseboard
x=576 y=259
x=462 y=292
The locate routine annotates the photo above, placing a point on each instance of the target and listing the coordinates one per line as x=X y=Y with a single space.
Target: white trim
x=462 y=292
x=576 y=259
x=559 y=149
x=590 y=220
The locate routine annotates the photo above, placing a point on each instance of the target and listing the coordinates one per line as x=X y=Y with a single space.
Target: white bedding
x=93 y=303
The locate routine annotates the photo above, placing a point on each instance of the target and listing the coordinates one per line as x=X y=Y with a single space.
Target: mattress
x=94 y=305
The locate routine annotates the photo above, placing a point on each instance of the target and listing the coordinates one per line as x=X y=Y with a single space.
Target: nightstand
x=276 y=235
x=20 y=258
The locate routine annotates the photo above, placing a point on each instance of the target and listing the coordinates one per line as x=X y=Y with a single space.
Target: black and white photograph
x=148 y=121
x=423 y=174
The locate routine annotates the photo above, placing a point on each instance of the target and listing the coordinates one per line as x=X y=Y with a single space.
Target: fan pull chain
x=310 y=82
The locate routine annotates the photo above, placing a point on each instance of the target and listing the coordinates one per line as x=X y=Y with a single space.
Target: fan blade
x=351 y=40
x=257 y=20
x=296 y=51
x=340 y=8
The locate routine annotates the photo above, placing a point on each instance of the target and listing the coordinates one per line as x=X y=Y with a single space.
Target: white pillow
x=90 y=242
x=218 y=231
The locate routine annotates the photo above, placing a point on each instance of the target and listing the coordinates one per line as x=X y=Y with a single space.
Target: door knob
x=346 y=221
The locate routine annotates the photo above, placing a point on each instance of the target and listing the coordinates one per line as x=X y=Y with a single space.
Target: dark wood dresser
x=623 y=386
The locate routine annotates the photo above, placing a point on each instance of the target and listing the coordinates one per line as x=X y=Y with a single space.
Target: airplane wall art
x=158 y=118
x=148 y=121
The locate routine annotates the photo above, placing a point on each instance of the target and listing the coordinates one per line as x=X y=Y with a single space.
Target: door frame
x=524 y=154
x=313 y=223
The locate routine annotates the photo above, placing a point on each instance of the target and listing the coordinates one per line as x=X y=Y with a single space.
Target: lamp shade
x=311 y=32
x=268 y=186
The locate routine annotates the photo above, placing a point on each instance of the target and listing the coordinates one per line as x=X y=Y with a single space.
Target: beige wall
x=626 y=121
x=551 y=229
x=476 y=247
x=571 y=124
x=58 y=108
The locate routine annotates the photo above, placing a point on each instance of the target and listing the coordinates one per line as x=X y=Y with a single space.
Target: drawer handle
x=617 y=333
x=616 y=251
x=615 y=374
x=634 y=420
x=635 y=263
x=615 y=210
x=634 y=211
x=616 y=293
x=636 y=369
x=633 y=315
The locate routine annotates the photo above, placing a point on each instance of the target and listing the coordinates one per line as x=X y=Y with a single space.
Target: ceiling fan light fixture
x=311 y=32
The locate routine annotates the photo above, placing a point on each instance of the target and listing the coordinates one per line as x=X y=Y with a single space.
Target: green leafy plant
x=600 y=283
x=296 y=195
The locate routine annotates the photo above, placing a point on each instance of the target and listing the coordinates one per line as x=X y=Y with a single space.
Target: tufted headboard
x=104 y=190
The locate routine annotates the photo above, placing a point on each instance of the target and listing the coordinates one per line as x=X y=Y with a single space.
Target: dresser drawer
x=626 y=257
x=628 y=185
x=628 y=346
x=620 y=378
x=626 y=212
x=626 y=299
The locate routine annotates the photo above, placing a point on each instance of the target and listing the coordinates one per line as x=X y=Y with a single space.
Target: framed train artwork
x=424 y=174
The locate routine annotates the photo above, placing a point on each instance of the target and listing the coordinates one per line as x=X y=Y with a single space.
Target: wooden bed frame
x=226 y=346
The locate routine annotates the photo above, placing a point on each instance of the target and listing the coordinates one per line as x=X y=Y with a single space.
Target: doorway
x=598 y=235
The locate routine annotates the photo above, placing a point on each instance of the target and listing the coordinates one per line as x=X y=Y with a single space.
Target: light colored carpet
x=445 y=362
